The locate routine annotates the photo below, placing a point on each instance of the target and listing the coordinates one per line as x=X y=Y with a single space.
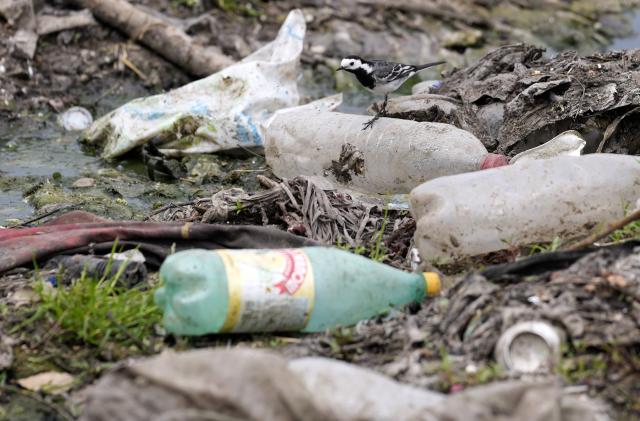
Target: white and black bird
x=381 y=77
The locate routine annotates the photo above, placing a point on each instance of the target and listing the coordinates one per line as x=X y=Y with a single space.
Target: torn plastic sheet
x=81 y=232
x=222 y=111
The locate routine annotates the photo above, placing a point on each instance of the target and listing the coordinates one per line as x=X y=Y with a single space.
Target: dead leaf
x=53 y=382
x=24 y=296
x=616 y=280
x=6 y=351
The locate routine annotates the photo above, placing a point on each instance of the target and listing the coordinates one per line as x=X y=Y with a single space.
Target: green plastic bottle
x=307 y=289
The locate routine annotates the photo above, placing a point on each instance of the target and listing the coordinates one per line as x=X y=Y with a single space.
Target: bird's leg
x=380 y=113
x=383 y=112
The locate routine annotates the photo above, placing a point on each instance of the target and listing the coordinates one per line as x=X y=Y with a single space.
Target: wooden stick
x=167 y=40
x=634 y=216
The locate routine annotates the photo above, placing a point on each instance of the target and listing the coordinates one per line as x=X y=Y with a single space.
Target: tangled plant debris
x=302 y=207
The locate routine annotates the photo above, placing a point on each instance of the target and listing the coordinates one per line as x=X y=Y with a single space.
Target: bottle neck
x=492 y=160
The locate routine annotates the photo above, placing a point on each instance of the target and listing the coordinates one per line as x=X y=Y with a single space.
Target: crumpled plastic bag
x=252 y=384
x=222 y=111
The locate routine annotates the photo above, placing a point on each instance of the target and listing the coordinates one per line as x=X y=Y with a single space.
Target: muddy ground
x=98 y=68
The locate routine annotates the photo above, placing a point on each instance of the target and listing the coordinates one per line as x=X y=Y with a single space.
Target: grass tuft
x=99 y=312
x=235 y=7
x=628 y=232
x=545 y=247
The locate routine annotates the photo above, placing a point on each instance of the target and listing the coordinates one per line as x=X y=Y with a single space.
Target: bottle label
x=271 y=290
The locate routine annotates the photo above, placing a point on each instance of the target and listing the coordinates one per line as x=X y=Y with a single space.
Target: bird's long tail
x=424 y=66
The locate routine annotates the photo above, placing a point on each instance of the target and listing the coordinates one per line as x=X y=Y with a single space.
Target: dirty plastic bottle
x=307 y=289
x=393 y=156
x=532 y=201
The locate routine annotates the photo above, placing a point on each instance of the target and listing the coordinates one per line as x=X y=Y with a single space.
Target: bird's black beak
x=339 y=68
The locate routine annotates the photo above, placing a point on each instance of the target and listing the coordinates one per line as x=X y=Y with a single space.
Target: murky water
x=35 y=149
x=32 y=148
x=632 y=41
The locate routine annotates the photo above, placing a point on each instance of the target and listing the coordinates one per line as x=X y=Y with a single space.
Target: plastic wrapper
x=220 y=112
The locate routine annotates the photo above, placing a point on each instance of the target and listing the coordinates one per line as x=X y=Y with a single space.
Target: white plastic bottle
x=533 y=201
x=393 y=156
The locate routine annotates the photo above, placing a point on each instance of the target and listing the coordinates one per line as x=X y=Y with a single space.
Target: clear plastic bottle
x=533 y=201
x=393 y=156
x=307 y=289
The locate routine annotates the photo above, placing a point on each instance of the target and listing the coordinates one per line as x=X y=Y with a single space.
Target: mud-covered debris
x=48 y=24
x=302 y=207
x=17 y=12
x=159 y=166
x=582 y=300
x=350 y=161
x=591 y=296
x=68 y=268
x=20 y=15
x=515 y=98
x=424 y=106
x=23 y=297
x=24 y=43
x=6 y=350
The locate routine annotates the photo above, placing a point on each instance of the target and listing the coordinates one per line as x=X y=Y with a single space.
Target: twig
x=244 y=148
x=37 y=218
x=125 y=60
x=243 y=171
x=613 y=128
x=634 y=216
